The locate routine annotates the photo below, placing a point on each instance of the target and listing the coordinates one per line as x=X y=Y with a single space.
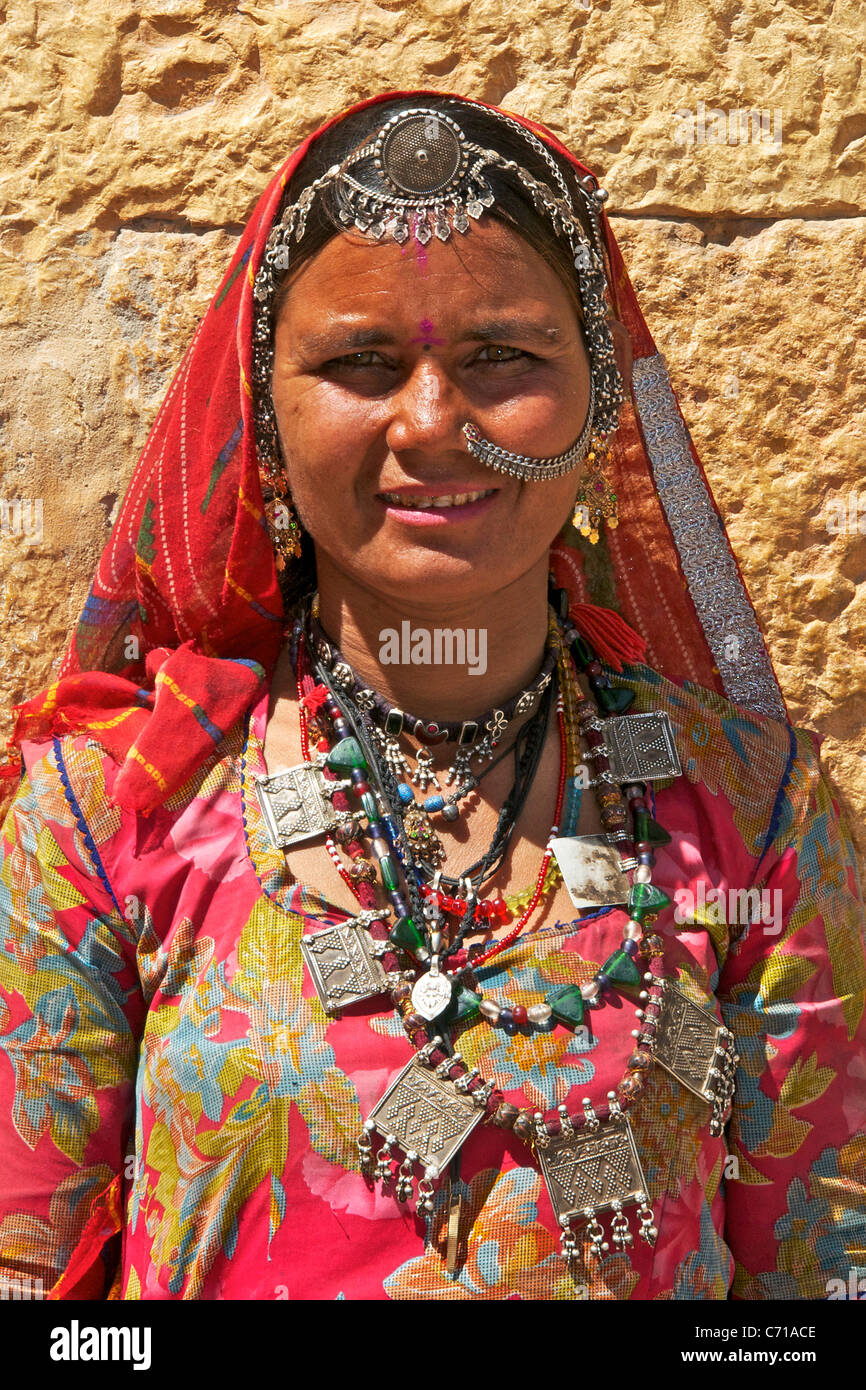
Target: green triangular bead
x=567 y=1004
x=647 y=898
x=614 y=700
x=406 y=935
x=621 y=969
x=648 y=830
x=464 y=1003
x=346 y=754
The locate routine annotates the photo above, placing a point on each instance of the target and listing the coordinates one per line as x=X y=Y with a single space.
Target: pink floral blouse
x=179 y=1117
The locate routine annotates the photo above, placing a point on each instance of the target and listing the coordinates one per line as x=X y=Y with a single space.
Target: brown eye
x=358 y=359
x=500 y=353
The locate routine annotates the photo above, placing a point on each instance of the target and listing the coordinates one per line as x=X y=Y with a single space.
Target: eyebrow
x=337 y=340
x=514 y=326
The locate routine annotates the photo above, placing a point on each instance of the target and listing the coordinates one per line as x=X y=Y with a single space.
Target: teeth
x=455 y=499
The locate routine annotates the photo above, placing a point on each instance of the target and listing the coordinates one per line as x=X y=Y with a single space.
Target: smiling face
x=382 y=354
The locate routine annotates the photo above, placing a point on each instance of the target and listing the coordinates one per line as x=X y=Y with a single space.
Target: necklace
x=393 y=721
x=589 y=1160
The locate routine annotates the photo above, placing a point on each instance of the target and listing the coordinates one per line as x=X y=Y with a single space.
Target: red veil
x=184 y=618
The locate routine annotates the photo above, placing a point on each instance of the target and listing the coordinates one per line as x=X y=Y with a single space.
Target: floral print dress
x=180 y=1116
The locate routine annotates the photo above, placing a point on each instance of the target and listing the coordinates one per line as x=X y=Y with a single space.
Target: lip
x=438 y=516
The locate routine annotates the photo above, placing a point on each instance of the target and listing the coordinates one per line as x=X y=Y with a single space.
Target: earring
x=284 y=526
x=596 y=499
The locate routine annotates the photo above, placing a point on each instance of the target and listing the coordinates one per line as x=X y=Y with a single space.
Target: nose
x=428 y=411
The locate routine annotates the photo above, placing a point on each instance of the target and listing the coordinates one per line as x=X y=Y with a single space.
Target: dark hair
x=513 y=206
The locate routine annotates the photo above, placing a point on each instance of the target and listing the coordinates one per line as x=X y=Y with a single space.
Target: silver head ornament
x=420 y=176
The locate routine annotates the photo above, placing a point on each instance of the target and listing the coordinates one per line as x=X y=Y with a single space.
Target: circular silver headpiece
x=420 y=152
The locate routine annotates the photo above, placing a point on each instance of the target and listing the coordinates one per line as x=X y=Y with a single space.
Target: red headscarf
x=184 y=618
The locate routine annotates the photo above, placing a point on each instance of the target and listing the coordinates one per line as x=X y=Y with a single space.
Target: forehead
x=490 y=267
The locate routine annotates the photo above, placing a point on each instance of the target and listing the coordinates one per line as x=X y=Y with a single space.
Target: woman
x=354 y=836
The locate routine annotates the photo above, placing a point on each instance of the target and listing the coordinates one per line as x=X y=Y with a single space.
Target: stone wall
x=136 y=138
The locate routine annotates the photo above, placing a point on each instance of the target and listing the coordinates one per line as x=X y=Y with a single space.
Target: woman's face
x=382 y=353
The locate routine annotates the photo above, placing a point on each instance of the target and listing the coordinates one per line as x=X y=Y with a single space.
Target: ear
x=622 y=350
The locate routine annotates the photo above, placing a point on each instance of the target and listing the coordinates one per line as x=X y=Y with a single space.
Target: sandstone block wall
x=732 y=138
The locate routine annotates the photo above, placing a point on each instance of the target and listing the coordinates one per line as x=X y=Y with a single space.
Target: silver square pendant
x=688 y=1043
x=296 y=804
x=426 y=1114
x=341 y=966
x=589 y=1171
x=591 y=871
x=641 y=748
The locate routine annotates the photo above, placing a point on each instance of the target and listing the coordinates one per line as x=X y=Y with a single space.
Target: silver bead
x=643 y=873
x=490 y=1009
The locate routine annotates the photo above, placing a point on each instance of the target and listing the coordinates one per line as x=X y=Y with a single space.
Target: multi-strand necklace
x=589 y=1159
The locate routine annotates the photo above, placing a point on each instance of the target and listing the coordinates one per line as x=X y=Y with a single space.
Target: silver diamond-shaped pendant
x=641 y=748
x=426 y=1115
x=296 y=803
x=341 y=966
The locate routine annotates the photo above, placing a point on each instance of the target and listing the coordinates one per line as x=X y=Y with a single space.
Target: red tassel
x=314 y=700
x=614 y=641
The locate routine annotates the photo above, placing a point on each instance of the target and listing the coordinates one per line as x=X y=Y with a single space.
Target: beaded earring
x=596 y=499
x=282 y=521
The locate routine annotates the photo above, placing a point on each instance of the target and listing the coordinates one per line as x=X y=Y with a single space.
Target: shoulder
x=66 y=792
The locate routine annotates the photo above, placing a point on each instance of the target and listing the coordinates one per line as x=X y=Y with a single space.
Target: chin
x=417 y=577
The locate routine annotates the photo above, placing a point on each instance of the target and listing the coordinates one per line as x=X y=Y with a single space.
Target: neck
x=439 y=660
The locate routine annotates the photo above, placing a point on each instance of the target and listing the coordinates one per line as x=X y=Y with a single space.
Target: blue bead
x=405 y=793
x=630 y=947
x=602 y=980
x=506 y=1018
x=434 y=803
x=510 y=1028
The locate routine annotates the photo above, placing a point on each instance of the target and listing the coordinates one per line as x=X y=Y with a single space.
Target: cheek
x=548 y=506
x=323 y=430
